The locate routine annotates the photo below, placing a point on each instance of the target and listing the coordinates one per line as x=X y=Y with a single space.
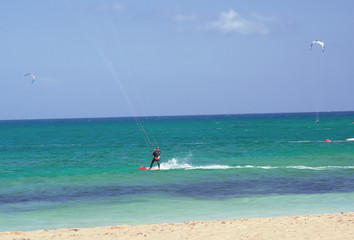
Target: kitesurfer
x=156 y=158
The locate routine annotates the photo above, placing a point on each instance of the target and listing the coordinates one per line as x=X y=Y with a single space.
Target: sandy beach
x=319 y=226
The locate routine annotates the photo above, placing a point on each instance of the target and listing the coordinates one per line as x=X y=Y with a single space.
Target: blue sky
x=110 y=58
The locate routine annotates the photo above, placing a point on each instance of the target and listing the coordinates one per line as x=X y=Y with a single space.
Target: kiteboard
x=146 y=168
x=143 y=168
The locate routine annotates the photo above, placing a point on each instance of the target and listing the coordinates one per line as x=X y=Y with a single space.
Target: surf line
x=90 y=24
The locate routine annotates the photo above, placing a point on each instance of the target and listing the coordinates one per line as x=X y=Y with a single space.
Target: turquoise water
x=83 y=172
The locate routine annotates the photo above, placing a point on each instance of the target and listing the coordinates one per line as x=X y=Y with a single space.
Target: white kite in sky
x=33 y=77
x=318 y=42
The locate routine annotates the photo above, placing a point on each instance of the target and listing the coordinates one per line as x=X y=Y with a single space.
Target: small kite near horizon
x=33 y=77
x=318 y=42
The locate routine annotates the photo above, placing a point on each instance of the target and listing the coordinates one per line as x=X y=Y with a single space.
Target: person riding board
x=156 y=158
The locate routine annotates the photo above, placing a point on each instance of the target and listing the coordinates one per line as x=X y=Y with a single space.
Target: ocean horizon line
x=174 y=116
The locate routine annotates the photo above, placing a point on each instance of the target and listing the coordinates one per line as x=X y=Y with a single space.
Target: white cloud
x=230 y=21
x=112 y=7
x=177 y=16
x=185 y=17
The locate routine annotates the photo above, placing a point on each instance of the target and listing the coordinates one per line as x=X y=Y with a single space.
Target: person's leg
x=152 y=163
x=158 y=163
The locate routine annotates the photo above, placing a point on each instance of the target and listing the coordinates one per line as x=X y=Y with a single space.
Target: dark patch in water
x=208 y=190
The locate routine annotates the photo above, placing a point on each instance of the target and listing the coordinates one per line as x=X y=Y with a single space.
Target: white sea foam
x=320 y=167
x=195 y=143
x=210 y=167
x=312 y=141
x=182 y=164
x=174 y=164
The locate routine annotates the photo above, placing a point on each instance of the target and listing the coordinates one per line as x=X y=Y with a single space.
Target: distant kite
x=318 y=42
x=33 y=77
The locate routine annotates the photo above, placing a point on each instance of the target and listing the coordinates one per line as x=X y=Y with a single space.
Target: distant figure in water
x=156 y=158
x=317 y=121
